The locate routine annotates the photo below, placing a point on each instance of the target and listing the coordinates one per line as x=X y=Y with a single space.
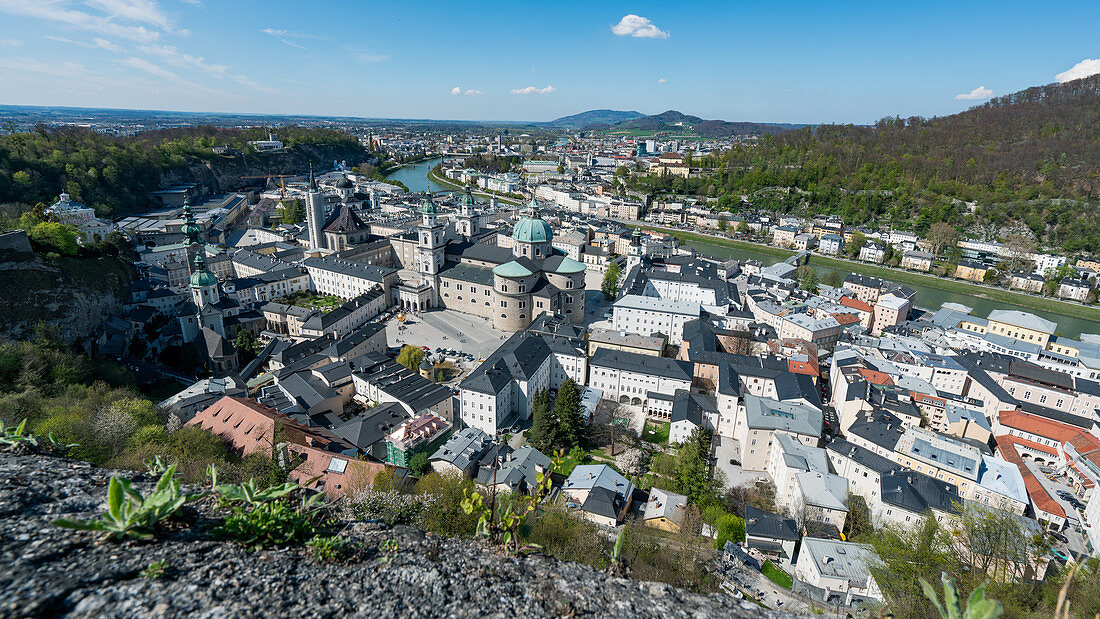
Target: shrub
x=392 y=507
x=443 y=514
x=568 y=537
x=271 y=524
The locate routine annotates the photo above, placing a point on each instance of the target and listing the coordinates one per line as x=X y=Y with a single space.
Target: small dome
x=428 y=208
x=202 y=279
x=467 y=198
x=425 y=364
x=532 y=230
x=344 y=183
x=568 y=266
x=511 y=269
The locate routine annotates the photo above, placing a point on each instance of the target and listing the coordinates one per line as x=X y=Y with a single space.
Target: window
x=504 y=304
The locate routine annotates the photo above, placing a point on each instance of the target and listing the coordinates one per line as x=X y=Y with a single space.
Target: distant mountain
x=593 y=117
x=672 y=120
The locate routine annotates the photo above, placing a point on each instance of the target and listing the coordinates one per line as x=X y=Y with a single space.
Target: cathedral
x=509 y=286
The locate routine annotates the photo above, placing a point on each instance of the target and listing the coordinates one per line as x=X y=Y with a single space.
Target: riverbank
x=1000 y=295
x=446 y=182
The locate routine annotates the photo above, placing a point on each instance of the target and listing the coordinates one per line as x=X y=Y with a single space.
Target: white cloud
x=456 y=91
x=285 y=36
x=96 y=42
x=105 y=44
x=978 y=94
x=174 y=57
x=661 y=81
x=639 y=27
x=469 y=93
x=140 y=11
x=61 y=12
x=193 y=2
x=144 y=65
x=1085 y=68
x=11 y=43
x=532 y=90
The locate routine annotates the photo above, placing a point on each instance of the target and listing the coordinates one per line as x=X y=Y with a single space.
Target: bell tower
x=430 y=247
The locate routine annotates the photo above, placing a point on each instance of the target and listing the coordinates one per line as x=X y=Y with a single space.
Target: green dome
x=467 y=198
x=569 y=266
x=200 y=277
x=429 y=207
x=532 y=230
x=511 y=269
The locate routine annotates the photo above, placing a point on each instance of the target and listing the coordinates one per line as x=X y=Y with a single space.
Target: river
x=415 y=177
x=930 y=298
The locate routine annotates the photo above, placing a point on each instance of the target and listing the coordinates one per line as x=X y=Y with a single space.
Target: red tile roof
x=856 y=304
x=1041 y=426
x=1006 y=447
x=875 y=377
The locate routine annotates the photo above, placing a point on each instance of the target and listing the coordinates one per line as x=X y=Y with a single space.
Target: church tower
x=467 y=219
x=204 y=286
x=634 y=251
x=191 y=230
x=430 y=247
x=315 y=214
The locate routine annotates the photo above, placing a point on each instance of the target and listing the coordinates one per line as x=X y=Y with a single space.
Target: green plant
x=326 y=548
x=251 y=494
x=977 y=605
x=156 y=466
x=388 y=550
x=273 y=524
x=155 y=570
x=14 y=437
x=131 y=514
x=57 y=445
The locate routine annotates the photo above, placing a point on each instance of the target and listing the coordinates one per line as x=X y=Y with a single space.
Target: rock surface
x=50 y=571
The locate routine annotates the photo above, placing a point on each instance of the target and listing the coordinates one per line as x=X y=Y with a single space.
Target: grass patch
x=776 y=575
x=310 y=300
x=656 y=432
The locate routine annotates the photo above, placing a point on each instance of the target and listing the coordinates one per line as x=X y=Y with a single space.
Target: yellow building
x=971 y=271
x=1022 y=326
x=664 y=510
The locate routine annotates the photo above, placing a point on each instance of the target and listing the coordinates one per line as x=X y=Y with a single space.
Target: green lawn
x=311 y=300
x=656 y=432
x=776 y=575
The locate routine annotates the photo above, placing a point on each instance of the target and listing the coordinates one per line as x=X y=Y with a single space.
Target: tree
x=760 y=495
x=997 y=543
x=610 y=285
x=410 y=357
x=856 y=244
x=567 y=409
x=906 y=554
x=633 y=461
x=294 y=212
x=418 y=464
x=693 y=467
x=833 y=278
x=55 y=237
x=1020 y=248
x=743 y=227
x=723 y=222
x=545 y=432
x=807 y=278
x=940 y=236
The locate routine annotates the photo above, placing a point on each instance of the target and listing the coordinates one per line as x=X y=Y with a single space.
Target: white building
x=629 y=378
x=650 y=315
x=838 y=568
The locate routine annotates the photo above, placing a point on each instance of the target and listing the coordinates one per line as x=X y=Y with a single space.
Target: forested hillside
x=1031 y=157
x=115 y=174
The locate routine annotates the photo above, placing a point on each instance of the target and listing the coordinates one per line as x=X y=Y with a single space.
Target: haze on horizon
x=798 y=61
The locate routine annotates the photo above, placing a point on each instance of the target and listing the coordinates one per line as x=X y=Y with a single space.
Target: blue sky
x=520 y=60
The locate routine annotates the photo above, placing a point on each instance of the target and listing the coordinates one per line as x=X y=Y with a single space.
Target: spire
x=312 y=182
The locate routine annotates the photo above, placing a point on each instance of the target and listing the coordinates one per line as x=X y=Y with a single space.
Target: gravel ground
x=58 y=572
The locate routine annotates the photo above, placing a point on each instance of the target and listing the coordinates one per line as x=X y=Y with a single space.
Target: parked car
x=1060 y=537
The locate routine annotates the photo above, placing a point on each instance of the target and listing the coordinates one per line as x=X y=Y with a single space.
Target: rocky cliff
x=76 y=294
x=58 y=572
x=226 y=173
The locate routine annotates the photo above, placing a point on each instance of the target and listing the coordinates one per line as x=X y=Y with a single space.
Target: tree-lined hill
x=1031 y=158
x=114 y=174
x=593 y=117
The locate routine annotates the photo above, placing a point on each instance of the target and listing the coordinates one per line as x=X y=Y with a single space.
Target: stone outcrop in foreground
x=48 y=571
